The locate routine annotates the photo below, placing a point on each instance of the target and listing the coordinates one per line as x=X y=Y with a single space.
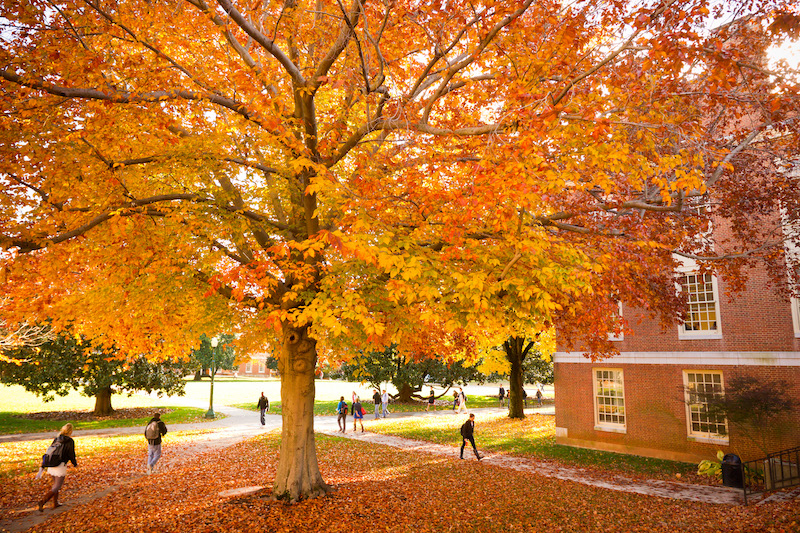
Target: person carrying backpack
x=341 y=410
x=153 y=432
x=467 y=434
x=55 y=459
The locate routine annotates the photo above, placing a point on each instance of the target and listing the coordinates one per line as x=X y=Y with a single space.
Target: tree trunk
x=197 y=376
x=298 y=476
x=102 y=402
x=515 y=353
x=404 y=393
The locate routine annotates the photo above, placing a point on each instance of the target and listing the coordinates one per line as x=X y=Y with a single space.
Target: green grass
x=16 y=401
x=532 y=437
x=328 y=407
x=11 y=423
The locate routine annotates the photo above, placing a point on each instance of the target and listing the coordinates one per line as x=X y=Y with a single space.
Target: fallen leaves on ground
x=383 y=489
x=102 y=462
x=118 y=414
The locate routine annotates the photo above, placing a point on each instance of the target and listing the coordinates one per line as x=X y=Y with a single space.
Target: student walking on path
x=64 y=449
x=341 y=409
x=376 y=399
x=263 y=406
x=467 y=434
x=502 y=396
x=358 y=414
x=153 y=432
x=462 y=400
x=431 y=400
x=385 y=403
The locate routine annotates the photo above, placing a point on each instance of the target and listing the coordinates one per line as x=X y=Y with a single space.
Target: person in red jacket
x=467 y=434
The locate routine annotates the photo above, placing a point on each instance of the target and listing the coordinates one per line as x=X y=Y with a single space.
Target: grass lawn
x=377 y=489
x=534 y=437
x=16 y=402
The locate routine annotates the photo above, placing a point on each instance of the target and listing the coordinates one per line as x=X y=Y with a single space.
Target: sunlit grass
x=533 y=436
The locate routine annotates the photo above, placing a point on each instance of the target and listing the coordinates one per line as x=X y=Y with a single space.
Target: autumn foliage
x=315 y=172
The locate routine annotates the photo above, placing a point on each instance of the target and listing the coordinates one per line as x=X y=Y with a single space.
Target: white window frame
x=606 y=425
x=796 y=316
x=696 y=435
x=621 y=336
x=248 y=367
x=262 y=366
x=690 y=268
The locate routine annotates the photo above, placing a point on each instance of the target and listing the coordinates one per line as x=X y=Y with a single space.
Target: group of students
x=358 y=413
x=502 y=396
x=62 y=451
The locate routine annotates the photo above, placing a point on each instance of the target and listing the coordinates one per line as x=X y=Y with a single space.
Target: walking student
x=431 y=400
x=462 y=400
x=502 y=396
x=467 y=434
x=60 y=452
x=263 y=406
x=385 y=403
x=341 y=410
x=376 y=399
x=358 y=414
x=153 y=432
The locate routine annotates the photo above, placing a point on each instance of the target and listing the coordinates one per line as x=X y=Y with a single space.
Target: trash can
x=732 y=473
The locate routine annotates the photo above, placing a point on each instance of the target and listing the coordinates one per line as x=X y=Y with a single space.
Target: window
x=618 y=322
x=705 y=422
x=609 y=400
x=702 y=316
x=248 y=368
x=796 y=316
x=262 y=367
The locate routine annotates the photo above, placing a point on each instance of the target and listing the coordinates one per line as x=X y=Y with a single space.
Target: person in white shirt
x=385 y=403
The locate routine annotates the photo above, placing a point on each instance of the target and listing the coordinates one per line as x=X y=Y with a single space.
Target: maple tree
x=377 y=171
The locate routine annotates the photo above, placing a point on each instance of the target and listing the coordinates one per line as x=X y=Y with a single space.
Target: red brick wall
x=656 y=412
x=757 y=319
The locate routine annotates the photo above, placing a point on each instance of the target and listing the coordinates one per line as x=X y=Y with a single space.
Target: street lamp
x=214 y=344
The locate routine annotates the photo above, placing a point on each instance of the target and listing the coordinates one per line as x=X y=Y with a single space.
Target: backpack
x=344 y=409
x=152 y=431
x=52 y=457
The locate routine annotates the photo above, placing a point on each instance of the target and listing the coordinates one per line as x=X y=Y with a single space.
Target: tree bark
x=197 y=376
x=102 y=402
x=516 y=351
x=298 y=476
x=404 y=393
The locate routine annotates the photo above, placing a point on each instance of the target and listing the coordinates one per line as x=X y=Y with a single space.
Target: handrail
x=778 y=470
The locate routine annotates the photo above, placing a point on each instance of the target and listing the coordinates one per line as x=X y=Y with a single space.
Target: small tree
x=204 y=357
x=70 y=362
x=755 y=407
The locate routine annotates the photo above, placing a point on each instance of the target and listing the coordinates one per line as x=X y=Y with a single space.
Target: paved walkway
x=240 y=424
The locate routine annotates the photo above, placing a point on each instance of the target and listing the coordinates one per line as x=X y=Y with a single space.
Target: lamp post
x=214 y=344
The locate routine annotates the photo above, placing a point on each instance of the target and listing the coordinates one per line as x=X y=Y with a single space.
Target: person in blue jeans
x=341 y=410
x=376 y=399
x=385 y=402
x=154 y=444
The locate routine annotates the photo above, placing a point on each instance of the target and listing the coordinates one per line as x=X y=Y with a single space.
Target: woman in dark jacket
x=60 y=472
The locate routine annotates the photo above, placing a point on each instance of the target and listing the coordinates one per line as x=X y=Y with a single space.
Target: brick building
x=642 y=400
x=256 y=367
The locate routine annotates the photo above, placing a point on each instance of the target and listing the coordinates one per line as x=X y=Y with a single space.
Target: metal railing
x=779 y=470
